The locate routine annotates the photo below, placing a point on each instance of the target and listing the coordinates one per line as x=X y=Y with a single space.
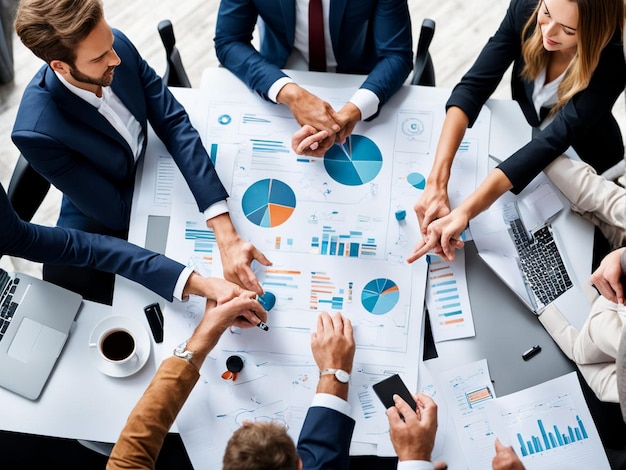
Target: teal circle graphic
x=416 y=180
x=380 y=296
x=359 y=168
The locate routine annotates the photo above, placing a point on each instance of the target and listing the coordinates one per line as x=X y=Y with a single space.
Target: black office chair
x=175 y=74
x=27 y=189
x=423 y=70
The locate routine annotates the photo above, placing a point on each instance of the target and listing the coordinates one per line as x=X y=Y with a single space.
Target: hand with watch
x=333 y=348
x=241 y=311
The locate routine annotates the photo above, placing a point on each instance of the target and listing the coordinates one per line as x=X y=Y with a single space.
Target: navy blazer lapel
x=337 y=10
x=75 y=106
x=288 y=8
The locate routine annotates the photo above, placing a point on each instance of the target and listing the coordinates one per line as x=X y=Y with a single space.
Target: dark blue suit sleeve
x=171 y=124
x=324 y=441
x=236 y=20
x=391 y=28
x=73 y=247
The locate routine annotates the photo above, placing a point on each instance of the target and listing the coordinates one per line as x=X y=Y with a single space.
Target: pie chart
x=357 y=168
x=268 y=203
x=380 y=295
x=416 y=180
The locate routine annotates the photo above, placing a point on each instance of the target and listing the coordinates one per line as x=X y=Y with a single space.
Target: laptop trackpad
x=33 y=338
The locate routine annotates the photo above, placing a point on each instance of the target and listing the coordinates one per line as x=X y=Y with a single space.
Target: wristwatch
x=341 y=375
x=182 y=352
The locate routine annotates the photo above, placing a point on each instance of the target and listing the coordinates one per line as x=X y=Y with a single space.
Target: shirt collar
x=86 y=95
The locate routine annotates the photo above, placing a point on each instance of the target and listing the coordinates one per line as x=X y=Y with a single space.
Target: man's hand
x=347 y=117
x=443 y=237
x=236 y=254
x=608 y=277
x=214 y=288
x=414 y=437
x=240 y=311
x=308 y=140
x=333 y=347
x=505 y=458
x=308 y=108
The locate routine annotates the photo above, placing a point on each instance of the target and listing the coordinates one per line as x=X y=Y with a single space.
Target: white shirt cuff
x=333 y=402
x=366 y=101
x=278 y=85
x=180 y=284
x=215 y=209
x=415 y=465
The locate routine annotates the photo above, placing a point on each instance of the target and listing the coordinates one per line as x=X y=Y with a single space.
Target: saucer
x=141 y=337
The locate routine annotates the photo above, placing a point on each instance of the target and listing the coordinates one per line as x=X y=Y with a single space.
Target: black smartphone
x=155 y=320
x=386 y=389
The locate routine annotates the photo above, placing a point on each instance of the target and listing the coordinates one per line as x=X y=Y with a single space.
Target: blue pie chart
x=416 y=180
x=268 y=203
x=380 y=296
x=357 y=168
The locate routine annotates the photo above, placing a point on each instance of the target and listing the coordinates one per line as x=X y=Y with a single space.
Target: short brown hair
x=52 y=29
x=260 y=446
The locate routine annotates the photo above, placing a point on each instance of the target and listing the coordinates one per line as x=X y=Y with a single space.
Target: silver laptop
x=35 y=320
x=526 y=254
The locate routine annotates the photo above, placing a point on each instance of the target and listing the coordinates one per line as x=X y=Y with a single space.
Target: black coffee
x=118 y=345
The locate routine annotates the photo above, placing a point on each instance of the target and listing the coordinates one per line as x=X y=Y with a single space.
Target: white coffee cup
x=117 y=345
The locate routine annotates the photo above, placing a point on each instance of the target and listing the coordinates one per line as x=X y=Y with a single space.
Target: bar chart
x=551 y=438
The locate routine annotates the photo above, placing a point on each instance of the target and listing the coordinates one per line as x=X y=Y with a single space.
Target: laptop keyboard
x=540 y=262
x=7 y=305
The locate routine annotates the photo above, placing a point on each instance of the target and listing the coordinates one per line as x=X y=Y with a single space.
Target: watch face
x=342 y=376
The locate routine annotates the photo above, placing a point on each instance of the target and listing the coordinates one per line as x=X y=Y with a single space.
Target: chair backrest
x=423 y=70
x=175 y=74
x=27 y=189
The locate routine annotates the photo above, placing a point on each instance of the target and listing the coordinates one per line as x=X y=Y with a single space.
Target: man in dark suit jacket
x=327 y=431
x=370 y=37
x=77 y=248
x=83 y=124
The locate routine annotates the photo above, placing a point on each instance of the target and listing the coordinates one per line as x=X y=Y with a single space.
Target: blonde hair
x=52 y=29
x=260 y=446
x=598 y=20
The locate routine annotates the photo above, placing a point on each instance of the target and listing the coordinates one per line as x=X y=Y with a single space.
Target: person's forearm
x=454 y=127
x=494 y=186
x=142 y=437
x=329 y=384
x=223 y=227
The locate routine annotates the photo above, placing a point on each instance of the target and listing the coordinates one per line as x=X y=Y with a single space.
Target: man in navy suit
x=83 y=124
x=158 y=273
x=370 y=37
x=324 y=441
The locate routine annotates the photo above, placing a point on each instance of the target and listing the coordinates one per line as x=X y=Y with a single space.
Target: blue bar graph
x=203 y=238
x=352 y=244
x=547 y=440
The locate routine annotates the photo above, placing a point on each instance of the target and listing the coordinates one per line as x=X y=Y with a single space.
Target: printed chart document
x=467 y=390
x=447 y=298
x=338 y=230
x=549 y=426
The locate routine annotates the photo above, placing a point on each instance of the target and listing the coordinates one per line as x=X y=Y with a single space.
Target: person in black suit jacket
x=568 y=70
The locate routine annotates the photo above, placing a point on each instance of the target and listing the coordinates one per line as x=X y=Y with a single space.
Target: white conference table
x=81 y=402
